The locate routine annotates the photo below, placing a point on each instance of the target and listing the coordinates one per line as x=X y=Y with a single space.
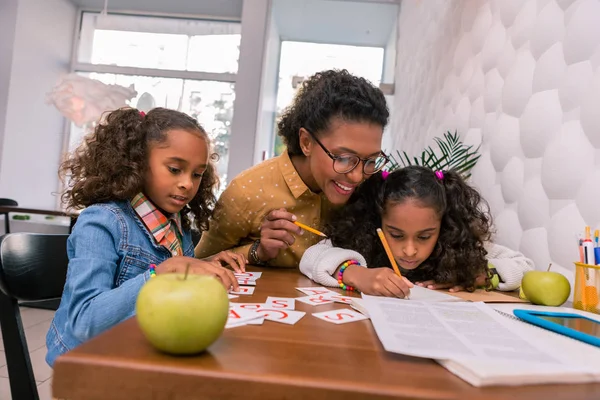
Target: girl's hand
x=377 y=281
x=236 y=261
x=431 y=284
x=276 y=233
x=199 y=267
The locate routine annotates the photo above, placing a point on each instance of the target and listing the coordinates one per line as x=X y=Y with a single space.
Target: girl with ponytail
x=438 y=229
x=143 y=180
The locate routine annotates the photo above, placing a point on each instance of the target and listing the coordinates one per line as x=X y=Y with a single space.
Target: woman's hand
x=276 y=233
x=199 y=267
x=377 y=281
x=237 y=262
x=431 y=284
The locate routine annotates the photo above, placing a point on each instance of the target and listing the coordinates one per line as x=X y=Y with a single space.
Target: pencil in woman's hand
x=308 y=228
x=388 y=251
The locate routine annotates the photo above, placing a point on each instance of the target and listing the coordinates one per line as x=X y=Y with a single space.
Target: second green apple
x=546 y=288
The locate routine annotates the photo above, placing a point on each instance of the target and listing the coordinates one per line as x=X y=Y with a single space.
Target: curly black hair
x=112 y=161
x=327 y=95
x=459 y=256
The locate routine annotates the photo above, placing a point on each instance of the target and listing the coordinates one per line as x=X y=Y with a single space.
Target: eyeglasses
x=345 y=163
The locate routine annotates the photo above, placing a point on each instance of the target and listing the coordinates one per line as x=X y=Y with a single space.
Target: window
x=184 y=64
x=210 y=102
x=160 y=43
x=299 y=60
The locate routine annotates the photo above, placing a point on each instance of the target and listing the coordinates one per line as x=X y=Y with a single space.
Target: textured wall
x=521 y=78
x=34 y=130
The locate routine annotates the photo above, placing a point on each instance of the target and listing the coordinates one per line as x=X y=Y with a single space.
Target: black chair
x=33 y=267
x=9 y=203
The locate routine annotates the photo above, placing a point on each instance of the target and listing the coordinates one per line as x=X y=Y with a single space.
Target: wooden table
x=311 y=360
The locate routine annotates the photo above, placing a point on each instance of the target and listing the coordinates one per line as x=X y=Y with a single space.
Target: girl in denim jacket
x=144 y=180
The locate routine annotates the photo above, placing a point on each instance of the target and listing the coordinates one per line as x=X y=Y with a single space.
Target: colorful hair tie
x=439 y=174
x=152 y=270
x=385 y=174
x=341 y=274
x=142 y=114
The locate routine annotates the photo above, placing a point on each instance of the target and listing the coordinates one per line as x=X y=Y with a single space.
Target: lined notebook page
x=581 y=360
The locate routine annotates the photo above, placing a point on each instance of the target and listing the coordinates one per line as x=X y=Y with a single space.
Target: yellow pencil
x=388 y=251
x=308 y=228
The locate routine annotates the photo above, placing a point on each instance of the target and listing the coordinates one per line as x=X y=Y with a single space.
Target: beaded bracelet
x=341 y=274
x=152 y=270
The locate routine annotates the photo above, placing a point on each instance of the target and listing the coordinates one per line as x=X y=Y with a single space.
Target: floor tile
x=41 y=370
x=45 y=390
x=33 y=316
x=36 y=323
x=5 y=389
x=36 y=335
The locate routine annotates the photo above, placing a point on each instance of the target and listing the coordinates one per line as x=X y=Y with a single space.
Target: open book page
x=418 y=293
x=487 y=372
x=582 y=360
x=569 y=349
x=358 y=305
x=508 y=309
x=450 y=331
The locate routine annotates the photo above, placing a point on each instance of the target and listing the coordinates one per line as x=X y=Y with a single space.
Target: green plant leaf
x=452 y=154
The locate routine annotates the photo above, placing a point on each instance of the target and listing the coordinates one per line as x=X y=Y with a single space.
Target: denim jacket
x=109 y=252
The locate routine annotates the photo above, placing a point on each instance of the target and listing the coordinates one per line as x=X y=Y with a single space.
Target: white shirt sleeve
x=319 y=262
x=510 y=264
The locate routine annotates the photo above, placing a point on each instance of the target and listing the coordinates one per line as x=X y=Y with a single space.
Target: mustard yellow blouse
x=249 y=197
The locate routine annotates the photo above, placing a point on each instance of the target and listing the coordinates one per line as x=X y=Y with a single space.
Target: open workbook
x=481 y=345
x=418 y=293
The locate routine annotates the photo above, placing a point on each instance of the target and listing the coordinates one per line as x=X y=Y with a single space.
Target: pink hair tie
x=439 y=175
x=384 y=174
x=142 y=114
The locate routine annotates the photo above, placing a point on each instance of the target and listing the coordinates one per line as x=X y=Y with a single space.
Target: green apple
x=522 y=295
x=181 y=314
x=546 y=288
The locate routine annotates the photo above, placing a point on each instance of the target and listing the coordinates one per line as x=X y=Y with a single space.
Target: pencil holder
x=587 y=287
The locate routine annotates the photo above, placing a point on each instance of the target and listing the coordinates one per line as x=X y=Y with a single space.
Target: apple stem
x=187 y=269
x=549 y=266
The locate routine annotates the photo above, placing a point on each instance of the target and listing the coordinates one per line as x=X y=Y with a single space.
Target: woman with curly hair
x=333 y=132
x=143 y=179
x=437 y=227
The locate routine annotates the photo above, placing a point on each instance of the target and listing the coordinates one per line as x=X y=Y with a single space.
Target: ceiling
x=226 y=9
x=351 y=22
x=358 y=23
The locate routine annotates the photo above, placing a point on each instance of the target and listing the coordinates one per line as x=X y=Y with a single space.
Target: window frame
x=77 y=66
